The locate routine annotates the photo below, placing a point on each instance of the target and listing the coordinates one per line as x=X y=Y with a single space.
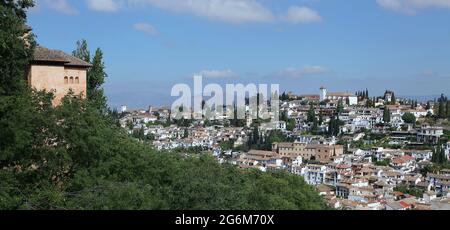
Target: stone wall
x=59 y=79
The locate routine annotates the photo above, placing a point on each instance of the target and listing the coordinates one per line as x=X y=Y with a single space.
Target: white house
x=314 y=174
x=447 y=150
x=345 y=96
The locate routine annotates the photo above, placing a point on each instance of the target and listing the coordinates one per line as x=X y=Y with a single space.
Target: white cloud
x=103 y=5
x=303 y=71
x=217 y=73
x=412 y=6
x=301 y=14
x=232 y=11
x=145 y=28
x=61 y=6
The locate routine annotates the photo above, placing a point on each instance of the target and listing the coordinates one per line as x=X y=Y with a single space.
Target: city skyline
x=302 y=45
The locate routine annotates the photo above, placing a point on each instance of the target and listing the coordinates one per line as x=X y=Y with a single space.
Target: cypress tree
x=311 y=113
x=96 y=78
x=393 y=100
x=386 y=115
x=331 y=126
x=447 y=109
x=340 y=106
x=82 y=51
x=441 y=109
x=320 y=118
x=96 y=74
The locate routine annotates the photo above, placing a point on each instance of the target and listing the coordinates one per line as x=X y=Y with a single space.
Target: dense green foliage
x=409 y=118
x=14 y=53
x=75 y=157
x=411 y=190
x=89 y=164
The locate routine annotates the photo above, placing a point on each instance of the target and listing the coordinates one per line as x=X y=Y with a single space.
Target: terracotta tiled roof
x=403 y=159
x=42 y=54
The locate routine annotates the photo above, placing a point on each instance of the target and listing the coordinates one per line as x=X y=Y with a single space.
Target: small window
x=71 y=80
x=77 y=80
x=66 y=80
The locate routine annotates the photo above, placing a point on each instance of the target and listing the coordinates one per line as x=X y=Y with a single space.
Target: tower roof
x=42 y=54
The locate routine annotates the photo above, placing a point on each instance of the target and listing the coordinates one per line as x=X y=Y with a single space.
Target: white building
x=447 y=150
x=429 y=134
x=314 y=174
x=345 y=96
x=123 y=108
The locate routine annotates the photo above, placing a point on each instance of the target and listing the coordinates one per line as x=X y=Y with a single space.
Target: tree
x=320 y=122
x=95 y=79
x=139 y=134
x=235 y=121
x=314 y=127
x=428 y=107
x=414 y=104
x=442 y=113
x=255 y=136
x=334 y=126
x=227 y=145
x=290 y=124
x=311 y=113
x=95 y=76
x=448 y=109
x=284 y=116
x=331 y=126
x=340 y=106
x=411 y=190
x=82 y=51
x=14 y=51
x=369 y=103
x=284 y=97
x=387 y=115
x=409 y=118
x=438 y=156
x=393 y=99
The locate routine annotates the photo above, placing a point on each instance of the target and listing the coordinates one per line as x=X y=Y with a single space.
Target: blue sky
x=150 y=45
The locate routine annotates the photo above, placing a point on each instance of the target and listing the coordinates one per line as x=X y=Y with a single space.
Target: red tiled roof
x=404 y=204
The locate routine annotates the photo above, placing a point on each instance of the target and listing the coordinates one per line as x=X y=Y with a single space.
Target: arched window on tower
x=71 y=80
x=66 y=80
x=77 y=80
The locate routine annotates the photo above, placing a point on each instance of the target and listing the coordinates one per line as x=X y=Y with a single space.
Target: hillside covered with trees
x=74 y=156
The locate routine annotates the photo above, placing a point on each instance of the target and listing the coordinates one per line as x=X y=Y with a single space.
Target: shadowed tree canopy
x=14 y=51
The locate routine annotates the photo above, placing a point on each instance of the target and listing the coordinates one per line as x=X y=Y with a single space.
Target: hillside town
x=360 y=152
